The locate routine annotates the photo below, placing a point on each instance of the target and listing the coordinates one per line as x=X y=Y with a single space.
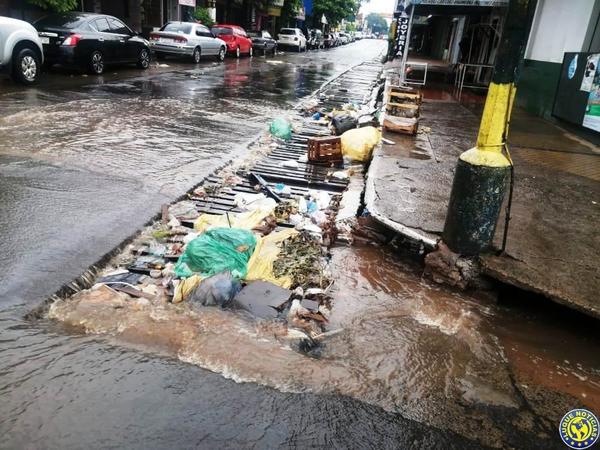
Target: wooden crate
x=402 y=109
x=402 y=125
x=325 y=149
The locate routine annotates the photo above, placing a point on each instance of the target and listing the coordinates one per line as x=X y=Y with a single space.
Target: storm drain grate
x=354 y=86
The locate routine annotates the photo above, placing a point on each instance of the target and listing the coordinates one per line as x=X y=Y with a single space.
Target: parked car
x=263 y=42
x=343 y=38
x=292 y=37
x=90 y=41
x=358 y=35
x=187 y=39
x=315 y=39
x=329 y=40
x=236 y=39
x=21 y=50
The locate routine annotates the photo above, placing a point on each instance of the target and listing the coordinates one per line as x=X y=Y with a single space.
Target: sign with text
x=401 y=36
x=191 y=3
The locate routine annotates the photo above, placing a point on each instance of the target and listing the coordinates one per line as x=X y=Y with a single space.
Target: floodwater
x=85 y=162
x=438 y=357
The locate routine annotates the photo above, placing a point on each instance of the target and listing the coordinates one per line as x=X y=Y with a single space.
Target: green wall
x=537 y=86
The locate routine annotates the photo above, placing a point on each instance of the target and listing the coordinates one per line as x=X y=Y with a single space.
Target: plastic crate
x=325 y=149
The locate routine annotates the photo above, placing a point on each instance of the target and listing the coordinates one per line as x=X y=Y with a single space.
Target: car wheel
x=26 y=67
x=221 y=55
x=251 y=52
x=144 y=59
x=97 y=62
x=196 y=55
x=237 y=52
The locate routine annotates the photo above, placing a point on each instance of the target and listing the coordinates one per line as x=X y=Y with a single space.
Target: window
x=287 y=31
x=118 y=27
x=203 y=31
x=66 y=20
x=266 y=35
x=102 y=25
x=179 y=28
x=222 y=31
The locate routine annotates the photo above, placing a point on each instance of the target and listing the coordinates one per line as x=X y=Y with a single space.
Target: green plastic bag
x=281 y=128
x=216 y=251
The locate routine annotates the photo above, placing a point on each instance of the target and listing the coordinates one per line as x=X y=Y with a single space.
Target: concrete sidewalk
x=554 y=239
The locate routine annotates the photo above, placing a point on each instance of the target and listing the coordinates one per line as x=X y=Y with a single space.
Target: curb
x=370 y=203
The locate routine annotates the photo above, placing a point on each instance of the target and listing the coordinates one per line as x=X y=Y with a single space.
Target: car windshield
x=287 y=31
x=69 y=21
x=221 y=30
x=181 y=28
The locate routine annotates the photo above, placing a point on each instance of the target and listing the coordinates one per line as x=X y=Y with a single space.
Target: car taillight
x=180 y=40
x=154 y=37
x=72 y=40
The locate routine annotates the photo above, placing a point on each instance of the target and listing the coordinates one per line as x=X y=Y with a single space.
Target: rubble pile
x=254 y=236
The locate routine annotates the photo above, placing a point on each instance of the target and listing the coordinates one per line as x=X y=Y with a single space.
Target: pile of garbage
x=239 y=242
x=240 y=260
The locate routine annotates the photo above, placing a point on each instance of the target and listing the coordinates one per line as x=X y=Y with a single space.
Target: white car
x=189 y=39
x=292 y=37
x=21 y=51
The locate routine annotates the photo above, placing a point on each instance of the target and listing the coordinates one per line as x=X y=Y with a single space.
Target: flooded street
x=416 y=365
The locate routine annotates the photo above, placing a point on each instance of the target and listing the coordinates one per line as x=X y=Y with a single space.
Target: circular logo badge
x=579 y=429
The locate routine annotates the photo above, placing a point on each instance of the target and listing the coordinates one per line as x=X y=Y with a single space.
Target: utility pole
x=482 y=172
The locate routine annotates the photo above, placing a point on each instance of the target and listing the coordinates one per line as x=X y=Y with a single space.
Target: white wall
x=558 y=26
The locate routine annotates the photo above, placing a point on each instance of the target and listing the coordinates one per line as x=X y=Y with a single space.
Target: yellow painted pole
x=482 y=171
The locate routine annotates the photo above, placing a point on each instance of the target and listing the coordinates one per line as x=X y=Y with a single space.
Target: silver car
x=186 y=39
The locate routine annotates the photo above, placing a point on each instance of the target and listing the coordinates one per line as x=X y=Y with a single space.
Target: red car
x=235 y=37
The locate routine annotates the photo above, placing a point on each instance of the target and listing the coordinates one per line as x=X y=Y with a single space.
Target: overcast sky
x=379 y=6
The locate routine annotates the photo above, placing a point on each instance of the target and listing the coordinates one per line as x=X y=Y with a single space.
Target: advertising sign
x=577 y=98
x=589 y=72
x=191 y=3
x=591 y=118
x=402 y=36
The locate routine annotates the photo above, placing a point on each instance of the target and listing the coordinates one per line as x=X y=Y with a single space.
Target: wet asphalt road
x=84 y=162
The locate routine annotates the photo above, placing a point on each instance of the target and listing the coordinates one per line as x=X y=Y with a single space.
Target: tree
x=334 y=10
x=201 y=14
x=55 y=5
x=289 y=11
x=377 y=23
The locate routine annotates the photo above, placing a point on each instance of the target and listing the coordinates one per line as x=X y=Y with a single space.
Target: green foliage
x=377 y=23
x=201 y=14
x=335 y=10
x=289 y=11
x=55 y=5
x=350 y=27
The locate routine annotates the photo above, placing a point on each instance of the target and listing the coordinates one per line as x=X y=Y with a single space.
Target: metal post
x=481 y=173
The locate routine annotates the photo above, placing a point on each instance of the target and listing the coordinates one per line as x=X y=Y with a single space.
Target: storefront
x=559 y=31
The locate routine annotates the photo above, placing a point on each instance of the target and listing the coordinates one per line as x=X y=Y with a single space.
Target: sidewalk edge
x=370 y=203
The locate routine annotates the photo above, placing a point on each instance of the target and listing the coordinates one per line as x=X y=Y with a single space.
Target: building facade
x=558 y=27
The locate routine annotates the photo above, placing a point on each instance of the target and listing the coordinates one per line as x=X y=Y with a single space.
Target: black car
x=90 y=41
x=262 y=42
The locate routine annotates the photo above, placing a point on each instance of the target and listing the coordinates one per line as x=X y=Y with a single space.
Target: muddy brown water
x=437 y=356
